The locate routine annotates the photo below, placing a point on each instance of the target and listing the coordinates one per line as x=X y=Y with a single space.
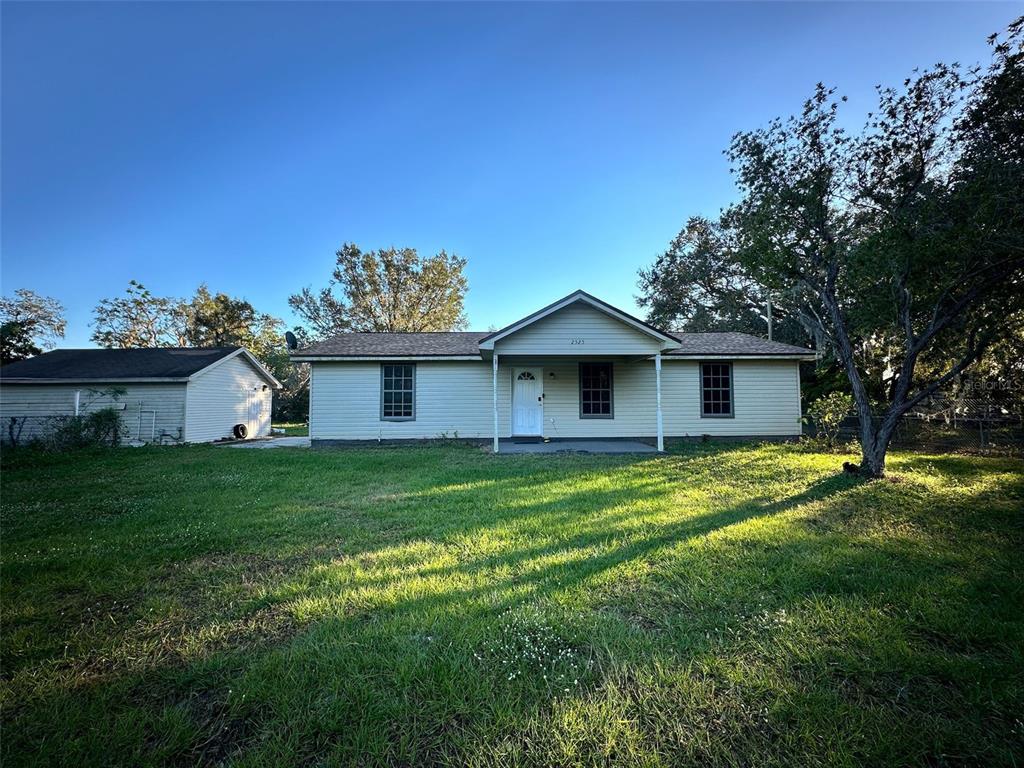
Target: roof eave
x=356 y=358
x=104 y=380
x=809 y=356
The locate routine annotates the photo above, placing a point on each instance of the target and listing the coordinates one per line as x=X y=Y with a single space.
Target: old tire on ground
x=241 y=431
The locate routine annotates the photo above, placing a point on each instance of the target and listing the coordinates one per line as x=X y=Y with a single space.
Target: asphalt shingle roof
x=731 y=344
x=468 y=343
x=114 y=364
x=401 y=344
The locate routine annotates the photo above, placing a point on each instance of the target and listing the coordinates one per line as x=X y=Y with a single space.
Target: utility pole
x=769 y=317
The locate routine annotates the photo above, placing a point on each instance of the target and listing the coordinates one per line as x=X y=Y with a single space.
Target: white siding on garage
x=151 y=412
x=455 y=397
x=224 y=396
x=594 y=332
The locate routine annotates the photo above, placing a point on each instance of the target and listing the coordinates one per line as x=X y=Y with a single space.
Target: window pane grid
x=716 y=389
x=595 y=390
x=397 y=391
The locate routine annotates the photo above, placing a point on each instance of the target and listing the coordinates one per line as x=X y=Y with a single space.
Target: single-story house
x=176 y=395
x=578 y=368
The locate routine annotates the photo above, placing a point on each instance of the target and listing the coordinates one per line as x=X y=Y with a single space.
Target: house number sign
x=575 y=341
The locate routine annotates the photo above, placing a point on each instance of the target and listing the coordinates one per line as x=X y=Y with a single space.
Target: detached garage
x=166 y=396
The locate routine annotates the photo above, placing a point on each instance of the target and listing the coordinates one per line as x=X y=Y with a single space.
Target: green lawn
x=719 y=606
x=294 y=430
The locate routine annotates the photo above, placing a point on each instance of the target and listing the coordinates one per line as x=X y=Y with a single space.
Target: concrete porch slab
x=272 y=442
x=576 y=446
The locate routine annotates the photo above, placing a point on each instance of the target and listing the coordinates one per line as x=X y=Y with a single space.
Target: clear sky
x=555 y=146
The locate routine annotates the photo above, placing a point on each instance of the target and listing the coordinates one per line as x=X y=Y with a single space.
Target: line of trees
x=386 y=290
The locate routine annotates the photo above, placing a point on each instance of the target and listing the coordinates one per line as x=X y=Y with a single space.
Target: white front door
x=255 y=413
x=527 y=401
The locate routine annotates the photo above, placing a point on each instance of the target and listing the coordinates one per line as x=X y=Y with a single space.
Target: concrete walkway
x=577 y=446
x=273 y=442
x=506 y=446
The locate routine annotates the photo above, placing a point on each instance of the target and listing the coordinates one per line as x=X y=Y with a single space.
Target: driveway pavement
x=273 y=442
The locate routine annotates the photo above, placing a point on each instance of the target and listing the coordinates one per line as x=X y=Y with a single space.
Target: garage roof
x=121 y=365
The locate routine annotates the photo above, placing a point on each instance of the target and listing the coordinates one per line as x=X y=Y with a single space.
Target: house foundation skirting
x=485 y=441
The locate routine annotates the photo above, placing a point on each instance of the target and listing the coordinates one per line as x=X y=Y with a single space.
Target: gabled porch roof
x=668 y=341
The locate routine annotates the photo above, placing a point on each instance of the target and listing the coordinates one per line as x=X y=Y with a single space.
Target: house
x=578 y=368
x=175 y=395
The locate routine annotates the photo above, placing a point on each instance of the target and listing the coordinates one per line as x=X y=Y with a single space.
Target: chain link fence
x=136 y=425
x=945 y=425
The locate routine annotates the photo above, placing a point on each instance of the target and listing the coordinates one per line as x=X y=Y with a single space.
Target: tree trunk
x=874 y=444
x=872 y=463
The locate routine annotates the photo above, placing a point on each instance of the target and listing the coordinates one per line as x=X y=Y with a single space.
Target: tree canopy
x=698 y=285
x=900 y=247
x=29 y=325
x=207 y=319
x=218 y=320
x=386 y=290
x=139 y=319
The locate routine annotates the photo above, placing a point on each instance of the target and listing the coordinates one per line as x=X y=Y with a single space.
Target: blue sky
x=554 y=146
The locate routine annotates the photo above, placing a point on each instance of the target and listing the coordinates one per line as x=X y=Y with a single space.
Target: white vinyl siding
x=220 y=397
x=455 y=397
x=578 y=329
x=450 y=397
x=766 y=399
x=150 y=412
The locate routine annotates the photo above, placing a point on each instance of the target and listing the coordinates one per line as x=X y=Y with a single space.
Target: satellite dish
x=290 y=340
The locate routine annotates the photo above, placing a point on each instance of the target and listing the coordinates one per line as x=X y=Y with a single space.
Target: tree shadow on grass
x=386 y=635
x=172 y=684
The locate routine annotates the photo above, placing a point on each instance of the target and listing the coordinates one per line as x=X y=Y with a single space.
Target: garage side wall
x=228 y=394
x=149 y=412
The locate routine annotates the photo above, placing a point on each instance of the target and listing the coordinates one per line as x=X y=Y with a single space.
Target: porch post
x=657 y=385
x=494 y=387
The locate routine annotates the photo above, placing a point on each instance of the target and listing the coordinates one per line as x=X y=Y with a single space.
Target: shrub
x=101 y=427
x=14 y=428
x=828 y=413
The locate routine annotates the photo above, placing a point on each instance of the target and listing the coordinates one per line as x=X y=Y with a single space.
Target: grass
x=294 y=430
x=741 y=605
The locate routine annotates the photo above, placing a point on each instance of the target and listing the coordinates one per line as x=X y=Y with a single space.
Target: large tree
x=139 y=319
x=902 y=245
x=697 y=285
x=29 y=324
x=386 y=290
x=218 y=320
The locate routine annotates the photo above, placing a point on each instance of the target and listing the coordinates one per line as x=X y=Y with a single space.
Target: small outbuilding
x=167 y=396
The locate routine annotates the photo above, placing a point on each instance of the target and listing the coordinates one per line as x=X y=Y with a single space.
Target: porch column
x=494 y=387
x=657 y=386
